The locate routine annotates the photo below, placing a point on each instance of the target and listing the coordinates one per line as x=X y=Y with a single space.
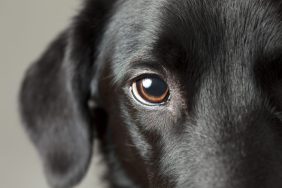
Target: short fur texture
x=222 y=126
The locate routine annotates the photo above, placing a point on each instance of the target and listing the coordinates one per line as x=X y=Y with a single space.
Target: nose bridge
x=229 y=83
x=238 y=155
x=232 y=135
x=233 y=139
x=228 y=99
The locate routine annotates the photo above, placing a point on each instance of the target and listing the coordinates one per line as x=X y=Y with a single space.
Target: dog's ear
x=55 y=94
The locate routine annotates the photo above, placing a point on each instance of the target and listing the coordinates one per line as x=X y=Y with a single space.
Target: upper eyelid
x=141 y=68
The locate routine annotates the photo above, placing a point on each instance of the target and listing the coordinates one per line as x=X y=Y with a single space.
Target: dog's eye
x=150 y=90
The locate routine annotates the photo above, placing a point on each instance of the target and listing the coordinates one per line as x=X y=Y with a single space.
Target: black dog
x=180 y=93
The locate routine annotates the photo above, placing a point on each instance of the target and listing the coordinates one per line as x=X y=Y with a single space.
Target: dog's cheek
x=128 y=148
x=277 y=94
x=147 y=130
x=131 y=147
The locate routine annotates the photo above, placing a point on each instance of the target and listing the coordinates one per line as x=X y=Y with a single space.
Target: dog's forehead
x=228 y=22
x=202 y=28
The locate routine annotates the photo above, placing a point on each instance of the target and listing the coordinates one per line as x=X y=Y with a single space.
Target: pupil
x=154 y=86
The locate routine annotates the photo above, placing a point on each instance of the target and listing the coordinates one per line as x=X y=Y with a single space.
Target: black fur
x=222 y=126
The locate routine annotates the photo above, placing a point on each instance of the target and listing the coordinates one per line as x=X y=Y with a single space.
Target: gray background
x=26 y=27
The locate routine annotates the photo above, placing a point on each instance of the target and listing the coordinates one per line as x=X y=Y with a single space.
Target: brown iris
x=150 y=90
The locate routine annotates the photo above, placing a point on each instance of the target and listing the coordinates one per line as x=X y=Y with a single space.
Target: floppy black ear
x=55 y=93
